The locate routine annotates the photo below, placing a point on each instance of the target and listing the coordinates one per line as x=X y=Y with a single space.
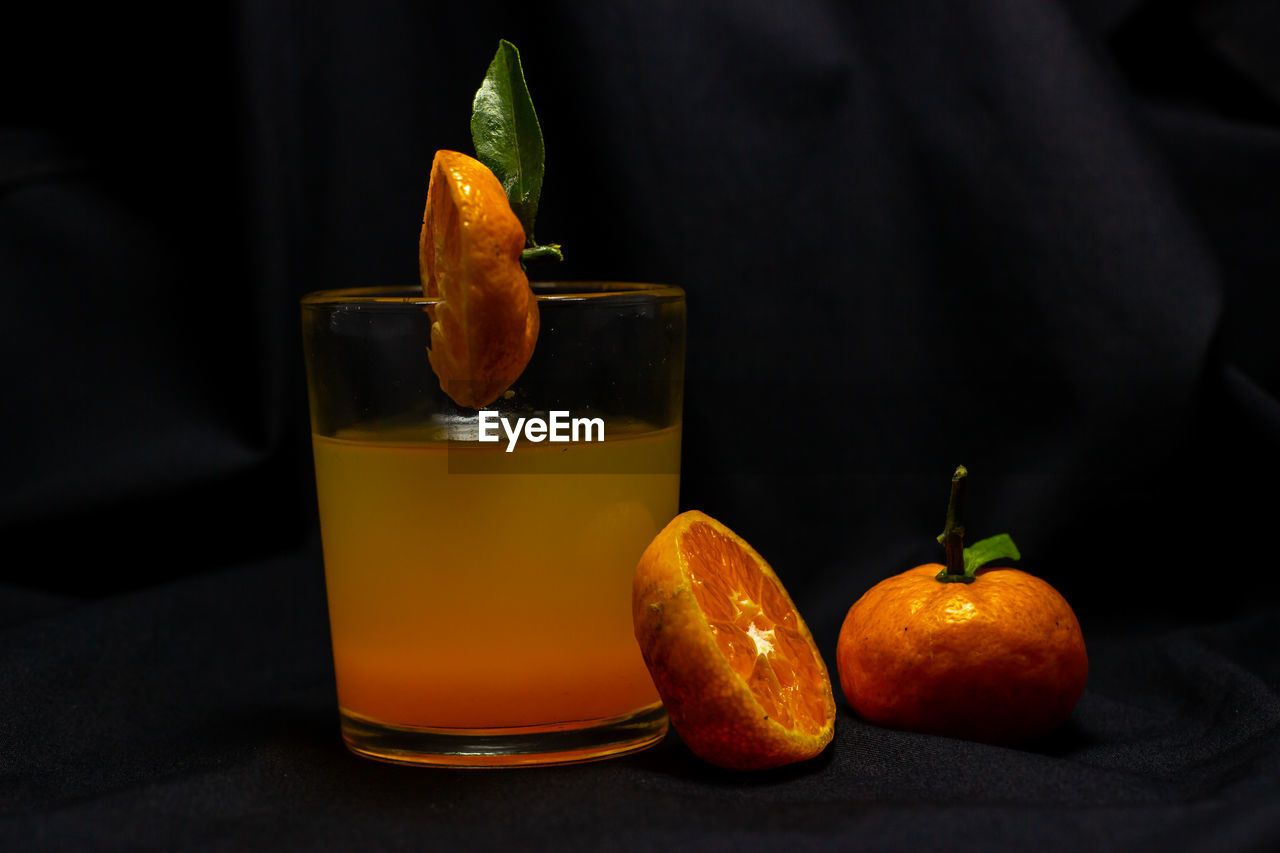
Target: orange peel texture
x=484 y=323
x=1000 y=660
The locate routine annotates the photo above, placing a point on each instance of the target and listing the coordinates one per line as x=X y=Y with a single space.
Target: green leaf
x=999 y=547
x=506 y=134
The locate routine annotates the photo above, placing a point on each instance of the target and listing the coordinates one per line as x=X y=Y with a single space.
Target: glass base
x=566 y=743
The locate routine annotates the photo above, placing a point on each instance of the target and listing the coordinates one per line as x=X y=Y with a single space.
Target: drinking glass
x=479 y=588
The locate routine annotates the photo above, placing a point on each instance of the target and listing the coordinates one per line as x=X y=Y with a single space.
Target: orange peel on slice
x=484 y=322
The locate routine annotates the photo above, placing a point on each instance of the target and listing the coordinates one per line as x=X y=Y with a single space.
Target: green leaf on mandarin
x=998 y=547
x=507 y=136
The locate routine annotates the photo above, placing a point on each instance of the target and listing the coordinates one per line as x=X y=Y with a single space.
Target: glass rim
x=552 y=291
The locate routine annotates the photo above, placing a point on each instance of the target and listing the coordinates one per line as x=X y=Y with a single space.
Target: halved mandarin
x=735 y=665
x=485 y=324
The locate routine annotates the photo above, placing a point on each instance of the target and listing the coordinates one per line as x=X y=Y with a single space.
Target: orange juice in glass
x=479 y=564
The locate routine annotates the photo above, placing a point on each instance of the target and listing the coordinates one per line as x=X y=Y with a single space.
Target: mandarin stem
x=952 y=537
x=549 y=251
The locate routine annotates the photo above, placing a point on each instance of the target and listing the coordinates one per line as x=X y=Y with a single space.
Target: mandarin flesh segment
x=485 y=322
x=734 y=663
x=1000 y=660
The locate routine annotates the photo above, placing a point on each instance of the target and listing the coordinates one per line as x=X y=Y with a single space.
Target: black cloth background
x=1036 y=238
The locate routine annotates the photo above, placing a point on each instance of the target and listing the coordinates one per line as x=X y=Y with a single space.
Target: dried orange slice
x=735 y=665
x=485 y=323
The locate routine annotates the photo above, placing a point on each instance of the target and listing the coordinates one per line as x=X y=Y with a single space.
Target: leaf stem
x=952 y=537
x=549 y=251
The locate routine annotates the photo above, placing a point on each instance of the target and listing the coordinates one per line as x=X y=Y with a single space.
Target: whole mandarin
x=986 y=654
x=1000 y=660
